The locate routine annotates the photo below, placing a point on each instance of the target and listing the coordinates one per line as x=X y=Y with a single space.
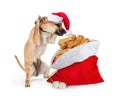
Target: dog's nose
x=60 y=32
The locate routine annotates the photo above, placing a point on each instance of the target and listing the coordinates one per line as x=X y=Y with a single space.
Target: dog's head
x=47 y=26
x=47 y=29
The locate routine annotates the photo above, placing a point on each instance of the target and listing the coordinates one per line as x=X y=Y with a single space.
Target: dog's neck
x=43 y=38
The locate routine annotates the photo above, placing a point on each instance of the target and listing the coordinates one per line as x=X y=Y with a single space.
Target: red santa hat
x=60 y=17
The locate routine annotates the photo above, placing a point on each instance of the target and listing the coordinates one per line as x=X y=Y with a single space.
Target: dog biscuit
x=61 y=52
x=76 y=42
x=63 y=45
x=69 y=43
x=73 y=37
x=84 y=41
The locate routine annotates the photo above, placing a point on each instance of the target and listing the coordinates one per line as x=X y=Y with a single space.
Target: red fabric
x=65 y=19
x=85 y=72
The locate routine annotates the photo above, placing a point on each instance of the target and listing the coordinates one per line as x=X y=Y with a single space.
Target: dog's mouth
x=60 y=32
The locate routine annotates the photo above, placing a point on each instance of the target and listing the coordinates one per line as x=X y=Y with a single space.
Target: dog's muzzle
x=60 y=32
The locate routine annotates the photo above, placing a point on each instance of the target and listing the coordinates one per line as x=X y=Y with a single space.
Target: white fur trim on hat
x=55 y=18
x=69 y=33
x=76 y=54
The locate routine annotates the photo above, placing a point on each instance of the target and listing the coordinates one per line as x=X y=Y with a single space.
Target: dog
x=42 y=33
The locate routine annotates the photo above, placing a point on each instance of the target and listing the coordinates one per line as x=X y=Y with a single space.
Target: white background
x=95 y=19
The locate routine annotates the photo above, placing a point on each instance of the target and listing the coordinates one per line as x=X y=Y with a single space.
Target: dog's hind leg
x=46 y=74
x=43 y=68
x=37 y=66
x=46 y=69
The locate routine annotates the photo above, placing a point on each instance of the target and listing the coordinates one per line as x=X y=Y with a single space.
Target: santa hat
x=59 y=18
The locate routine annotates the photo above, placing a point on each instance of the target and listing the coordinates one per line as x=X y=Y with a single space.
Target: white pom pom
x=69 y=32
x=55 y=84
x=62 y=85
x=58 y=85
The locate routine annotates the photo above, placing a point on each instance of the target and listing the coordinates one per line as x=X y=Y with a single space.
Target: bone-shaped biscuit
x=69 y=43
x=63 y=42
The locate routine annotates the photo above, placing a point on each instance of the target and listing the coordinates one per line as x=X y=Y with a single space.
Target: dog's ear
x=36 y=38
x=39 y=18
x=43 y=19
x=52 y=38
x=36 y=35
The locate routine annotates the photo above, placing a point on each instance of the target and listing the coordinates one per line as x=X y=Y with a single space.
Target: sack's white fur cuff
x=76 y=54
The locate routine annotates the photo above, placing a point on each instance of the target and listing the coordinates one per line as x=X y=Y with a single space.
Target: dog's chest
x=40 y=50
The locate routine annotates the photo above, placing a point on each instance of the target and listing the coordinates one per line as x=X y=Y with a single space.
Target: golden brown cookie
x=70 y=42
x=73 y=37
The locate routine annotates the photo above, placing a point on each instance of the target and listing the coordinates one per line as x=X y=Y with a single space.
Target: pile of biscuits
x=69 y=43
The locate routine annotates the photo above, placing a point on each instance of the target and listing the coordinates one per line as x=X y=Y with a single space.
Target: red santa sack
x=78 y=66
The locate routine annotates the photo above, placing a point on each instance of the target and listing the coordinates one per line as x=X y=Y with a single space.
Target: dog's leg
x=46 y=70
x=46 y=74
x=37 y=66
x=28 y=76
x=27 y=80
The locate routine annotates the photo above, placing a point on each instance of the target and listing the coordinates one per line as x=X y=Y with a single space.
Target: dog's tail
x=19 y=63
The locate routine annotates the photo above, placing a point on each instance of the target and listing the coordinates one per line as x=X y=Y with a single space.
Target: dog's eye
x=41 y=29
x=58 y=24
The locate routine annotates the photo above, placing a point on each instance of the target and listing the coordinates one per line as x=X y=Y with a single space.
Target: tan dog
x=43 y=32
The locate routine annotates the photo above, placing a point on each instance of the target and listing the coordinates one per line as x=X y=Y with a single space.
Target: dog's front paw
x=27 y=83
